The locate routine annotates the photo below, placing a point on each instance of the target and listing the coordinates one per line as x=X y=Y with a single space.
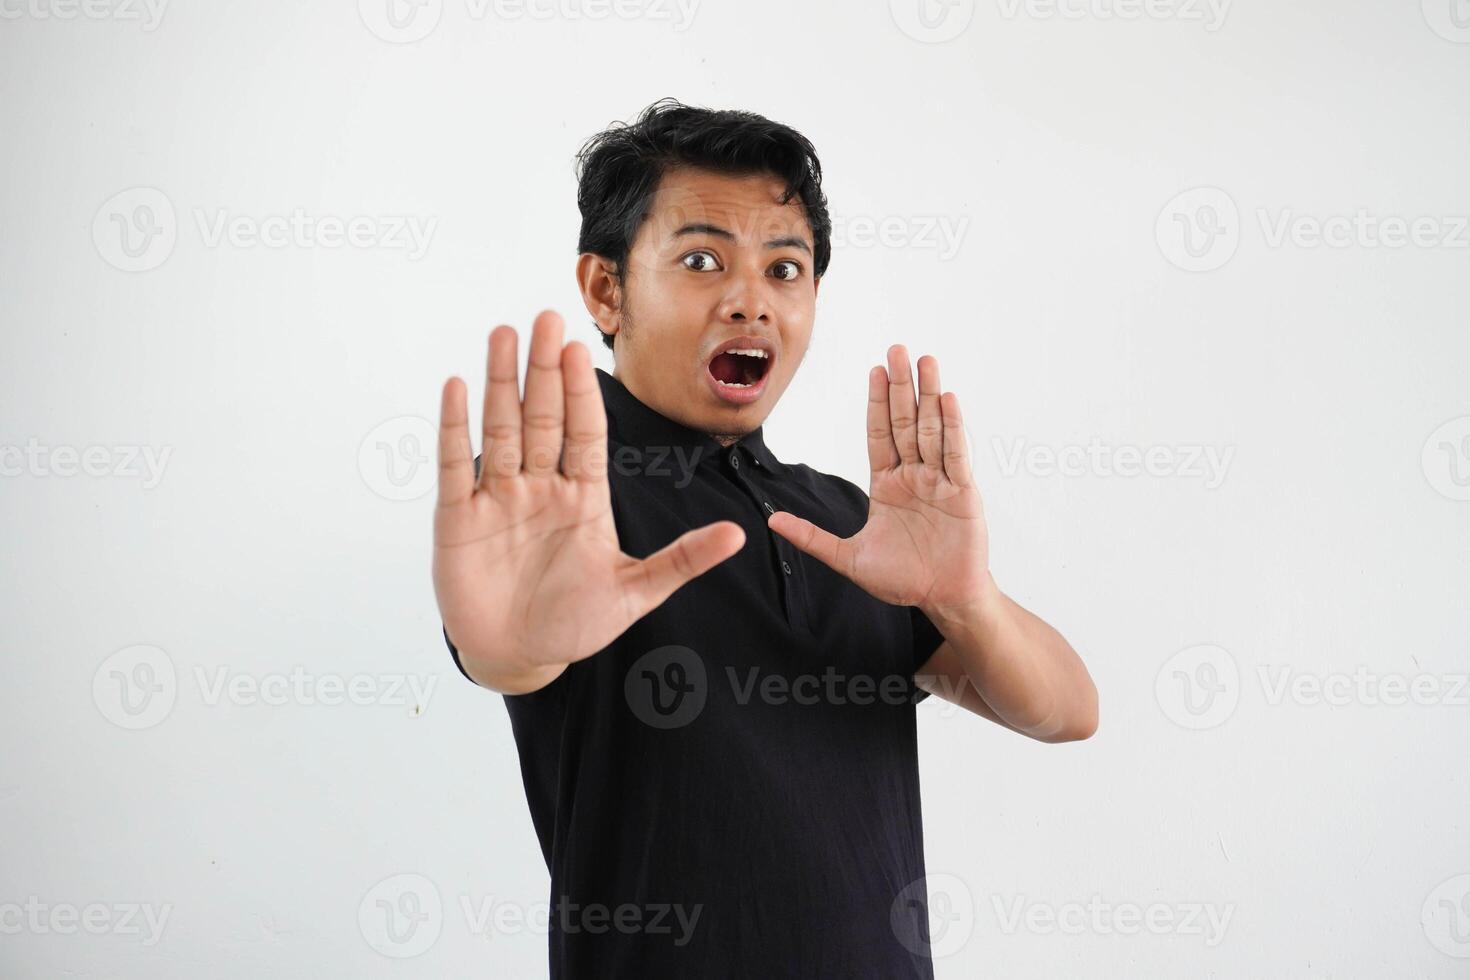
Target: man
x=711 y=657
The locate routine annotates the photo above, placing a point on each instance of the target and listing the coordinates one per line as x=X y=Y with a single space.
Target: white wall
x=1329 y=545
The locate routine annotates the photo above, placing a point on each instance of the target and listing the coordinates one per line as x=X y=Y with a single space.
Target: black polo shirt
x=731 y=788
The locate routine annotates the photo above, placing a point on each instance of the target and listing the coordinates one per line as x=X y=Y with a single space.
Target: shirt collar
x=633 y=423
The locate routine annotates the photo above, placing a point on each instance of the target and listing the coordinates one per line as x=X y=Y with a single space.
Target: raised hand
x=527 y=568
x=925 y=543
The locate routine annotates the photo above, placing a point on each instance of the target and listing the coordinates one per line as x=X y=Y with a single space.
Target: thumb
x=825 y=547
x=688 y=556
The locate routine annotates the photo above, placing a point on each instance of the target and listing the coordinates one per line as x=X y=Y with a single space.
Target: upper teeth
x=748 y=352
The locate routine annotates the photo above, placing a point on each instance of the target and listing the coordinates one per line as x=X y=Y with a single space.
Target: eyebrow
x=790 y=241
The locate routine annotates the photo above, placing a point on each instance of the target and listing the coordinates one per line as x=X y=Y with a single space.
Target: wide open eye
x=705 y=266
x=793 y=270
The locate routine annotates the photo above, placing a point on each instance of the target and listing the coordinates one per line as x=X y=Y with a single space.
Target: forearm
x=1023 y=668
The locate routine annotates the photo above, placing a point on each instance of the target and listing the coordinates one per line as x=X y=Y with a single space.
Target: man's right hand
x=527 y=568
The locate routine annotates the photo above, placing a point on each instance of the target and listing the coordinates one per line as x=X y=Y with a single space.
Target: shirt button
x=757 y=460
x=786 y=567
x=768 y=507
x=735 y=459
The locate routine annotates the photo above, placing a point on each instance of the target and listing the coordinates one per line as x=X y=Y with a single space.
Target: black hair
x=619 y=170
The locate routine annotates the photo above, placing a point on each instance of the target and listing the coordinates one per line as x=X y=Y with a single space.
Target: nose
x=747 y=299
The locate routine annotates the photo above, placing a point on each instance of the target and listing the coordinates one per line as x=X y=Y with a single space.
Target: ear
x=600 y=292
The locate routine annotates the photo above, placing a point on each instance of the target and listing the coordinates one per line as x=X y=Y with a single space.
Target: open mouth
x=740 y=367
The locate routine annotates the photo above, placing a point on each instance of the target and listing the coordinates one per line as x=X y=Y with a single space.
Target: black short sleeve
x=927 y=639
x=454 y=653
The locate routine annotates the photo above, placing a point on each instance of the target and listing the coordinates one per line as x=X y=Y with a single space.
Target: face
x=717 y=267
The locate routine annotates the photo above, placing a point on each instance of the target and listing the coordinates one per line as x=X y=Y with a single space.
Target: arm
x=925 y=544
x=1004 y=663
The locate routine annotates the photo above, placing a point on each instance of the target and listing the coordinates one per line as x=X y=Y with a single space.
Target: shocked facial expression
x=718 y=300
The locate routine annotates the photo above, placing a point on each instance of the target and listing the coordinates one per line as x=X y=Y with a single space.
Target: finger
x=543 y=413
x=902 y=410
x=585 y=457
x=456 y=471
x=882 y=453
x=931 y=424
x=658 y=576
x=956 y=448
x=831 y=550
x=500 y=442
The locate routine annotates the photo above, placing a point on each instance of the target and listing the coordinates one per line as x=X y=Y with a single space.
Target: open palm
x=527 y=569
x=925 y=542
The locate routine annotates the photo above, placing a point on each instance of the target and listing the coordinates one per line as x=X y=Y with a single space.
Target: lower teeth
x=732 y=384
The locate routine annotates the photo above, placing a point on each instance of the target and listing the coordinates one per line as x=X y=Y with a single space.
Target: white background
x=1068 y=313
